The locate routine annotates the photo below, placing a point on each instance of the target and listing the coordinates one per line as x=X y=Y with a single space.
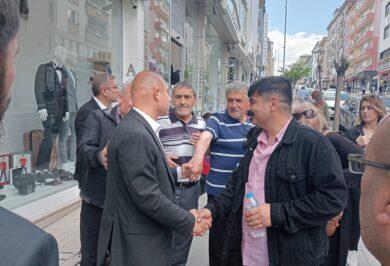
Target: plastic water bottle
x=250 y=203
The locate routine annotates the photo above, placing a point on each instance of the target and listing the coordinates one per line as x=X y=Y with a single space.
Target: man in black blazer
x=139 y=214
x=92 y=150
x=105 y=92
x=22 y=243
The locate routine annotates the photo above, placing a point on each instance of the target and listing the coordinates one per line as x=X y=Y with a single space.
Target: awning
x=366 y=74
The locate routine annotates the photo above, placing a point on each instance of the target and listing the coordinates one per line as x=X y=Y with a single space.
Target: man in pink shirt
x=296 y=178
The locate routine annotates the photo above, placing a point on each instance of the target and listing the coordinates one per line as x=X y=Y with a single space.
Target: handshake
x=203 y=221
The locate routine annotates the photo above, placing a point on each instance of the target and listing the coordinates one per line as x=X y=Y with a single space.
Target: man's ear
x=384 y=217
x=156 y=93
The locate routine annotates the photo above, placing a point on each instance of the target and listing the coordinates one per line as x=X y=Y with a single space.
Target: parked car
x=386 y=101
x=349 y=112
x=330 y=97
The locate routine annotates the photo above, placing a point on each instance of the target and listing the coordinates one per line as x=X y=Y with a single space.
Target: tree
x=297 y=71
x=341 y=67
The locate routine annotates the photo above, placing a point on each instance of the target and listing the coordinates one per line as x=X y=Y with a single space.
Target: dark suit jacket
x=139 y=215
x=24 y=244
x=81 y=117
x=98 y=130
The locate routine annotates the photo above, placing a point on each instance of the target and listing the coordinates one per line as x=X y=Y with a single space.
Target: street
x=66 y=231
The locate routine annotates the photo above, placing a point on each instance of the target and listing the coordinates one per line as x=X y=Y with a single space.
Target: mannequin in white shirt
x=59 y=60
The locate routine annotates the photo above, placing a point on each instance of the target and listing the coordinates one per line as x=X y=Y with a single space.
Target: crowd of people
x=282 y=189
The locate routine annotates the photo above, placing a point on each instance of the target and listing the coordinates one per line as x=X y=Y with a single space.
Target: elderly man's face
x=237 y=104
x=183 y=100
x=8 y=75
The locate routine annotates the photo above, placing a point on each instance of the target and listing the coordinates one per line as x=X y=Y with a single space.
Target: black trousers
x=216 y=237
x=90 y=218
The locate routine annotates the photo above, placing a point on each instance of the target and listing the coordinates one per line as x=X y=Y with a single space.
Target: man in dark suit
x=105 y=92
x=139 y=214
x=92 y=150
x=22 y=243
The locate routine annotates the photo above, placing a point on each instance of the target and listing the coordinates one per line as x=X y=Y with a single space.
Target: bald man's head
x=375 y=195
x=150 y=92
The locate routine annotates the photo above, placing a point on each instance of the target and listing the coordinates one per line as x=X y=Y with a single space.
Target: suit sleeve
x=328 y=199
x=40 y=87
x=137 y=156
x=89 y=147
x=42 y=251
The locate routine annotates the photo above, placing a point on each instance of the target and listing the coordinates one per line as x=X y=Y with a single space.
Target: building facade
x=336 y=41
x=209 y=43
x=362 y=33
x=384 y=46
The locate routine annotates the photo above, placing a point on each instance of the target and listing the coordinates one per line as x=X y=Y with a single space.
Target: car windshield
x=386 y=101
x=344 y=96
x=328 y=96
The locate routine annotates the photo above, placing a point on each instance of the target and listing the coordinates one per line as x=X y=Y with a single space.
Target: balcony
x=369 y=18
x=73 y=28
x=366 y=36
x=160 y=25
x=95 y=11
x=161 y=12
x=367 y=53
x=367 y=4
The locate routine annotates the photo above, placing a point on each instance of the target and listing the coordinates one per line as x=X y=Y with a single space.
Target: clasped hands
x=203 y=221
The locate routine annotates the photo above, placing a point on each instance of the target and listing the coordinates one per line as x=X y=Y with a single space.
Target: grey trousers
x=63 y=152
x=187 y=198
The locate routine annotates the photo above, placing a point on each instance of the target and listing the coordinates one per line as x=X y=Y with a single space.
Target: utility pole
x=285 y=33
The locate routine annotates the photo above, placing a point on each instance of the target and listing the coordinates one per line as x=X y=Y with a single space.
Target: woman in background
x=371 y=111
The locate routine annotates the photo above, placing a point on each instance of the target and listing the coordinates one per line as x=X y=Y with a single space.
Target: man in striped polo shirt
x=225 y=133
x=178 y=133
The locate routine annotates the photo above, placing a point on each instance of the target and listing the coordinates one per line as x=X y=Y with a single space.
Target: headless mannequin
x=70 y=65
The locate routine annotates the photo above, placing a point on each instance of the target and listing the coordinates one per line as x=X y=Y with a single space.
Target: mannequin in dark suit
x=139 y=214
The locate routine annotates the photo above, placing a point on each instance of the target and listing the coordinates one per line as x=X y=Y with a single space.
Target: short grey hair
x=236 y=86
x=128 y=81
x=98 y=80
x=183 y=84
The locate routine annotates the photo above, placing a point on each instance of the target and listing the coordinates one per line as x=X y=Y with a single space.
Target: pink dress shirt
x=255 y=250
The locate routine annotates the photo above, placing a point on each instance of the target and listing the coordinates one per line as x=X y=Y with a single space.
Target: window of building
x=386 y=33
x=38 y=146
x=73 y=16
x=387 y=9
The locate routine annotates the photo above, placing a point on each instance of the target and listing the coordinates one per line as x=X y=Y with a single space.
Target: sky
x=307 y=21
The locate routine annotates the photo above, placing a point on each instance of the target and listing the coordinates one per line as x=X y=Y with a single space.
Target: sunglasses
x=309 y=114
x=357 y=164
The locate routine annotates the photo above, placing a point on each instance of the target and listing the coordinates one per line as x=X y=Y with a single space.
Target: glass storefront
x=62 y=44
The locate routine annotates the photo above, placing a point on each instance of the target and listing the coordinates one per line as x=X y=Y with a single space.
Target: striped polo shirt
x=175 y=135
x=226 y=149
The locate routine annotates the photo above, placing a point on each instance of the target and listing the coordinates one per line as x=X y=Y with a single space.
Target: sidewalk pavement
x=66 y=231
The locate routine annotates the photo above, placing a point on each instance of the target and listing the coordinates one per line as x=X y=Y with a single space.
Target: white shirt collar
x=155 y=126
x=101 y=105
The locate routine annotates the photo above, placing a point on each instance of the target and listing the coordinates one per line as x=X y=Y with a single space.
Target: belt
x=185 y=184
